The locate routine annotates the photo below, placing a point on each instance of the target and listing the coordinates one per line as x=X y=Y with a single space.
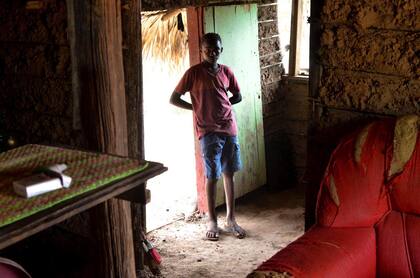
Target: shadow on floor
x=271 y=218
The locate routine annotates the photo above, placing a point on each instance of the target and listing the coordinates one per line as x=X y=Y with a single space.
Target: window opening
x=294 y=31
x=284 y=15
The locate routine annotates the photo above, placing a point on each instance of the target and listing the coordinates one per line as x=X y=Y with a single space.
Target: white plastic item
x=40 y=183
x=59 y=168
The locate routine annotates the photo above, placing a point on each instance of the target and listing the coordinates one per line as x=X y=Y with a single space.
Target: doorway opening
x=168 y=135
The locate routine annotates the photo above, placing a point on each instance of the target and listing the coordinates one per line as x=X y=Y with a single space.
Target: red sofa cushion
x=11 y=269
x=405 y=187
x=368 y=209
x=352 y=192
x=398 y=245
x=342 y=248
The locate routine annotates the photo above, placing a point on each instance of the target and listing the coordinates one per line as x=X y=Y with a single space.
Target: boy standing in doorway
x=215 y=125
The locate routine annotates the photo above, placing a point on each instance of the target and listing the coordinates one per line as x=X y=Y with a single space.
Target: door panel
x=238 y=28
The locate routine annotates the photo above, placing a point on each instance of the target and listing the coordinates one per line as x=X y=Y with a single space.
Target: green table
x=96 y=179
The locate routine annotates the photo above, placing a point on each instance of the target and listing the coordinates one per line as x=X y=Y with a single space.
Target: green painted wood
x=238 y=27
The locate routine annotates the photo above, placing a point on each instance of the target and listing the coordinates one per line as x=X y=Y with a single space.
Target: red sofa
x=11 y=269
x=368 y=210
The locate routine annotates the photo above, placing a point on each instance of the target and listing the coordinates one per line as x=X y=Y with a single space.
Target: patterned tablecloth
x=88 y=171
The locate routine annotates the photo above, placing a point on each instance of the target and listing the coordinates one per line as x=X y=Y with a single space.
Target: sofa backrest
x=352 y=192
x=404 y=167
x=398 y=233
x=372 y=171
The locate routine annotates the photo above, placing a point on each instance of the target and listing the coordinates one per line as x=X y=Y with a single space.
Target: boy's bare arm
x=235 y=98
x=177 y=101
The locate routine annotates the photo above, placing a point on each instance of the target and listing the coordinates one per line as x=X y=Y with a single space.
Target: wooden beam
x=315 y=70
x=195 y=31
x=294 y=30
x=98 y=43
x=134 y=92
x=134 y=79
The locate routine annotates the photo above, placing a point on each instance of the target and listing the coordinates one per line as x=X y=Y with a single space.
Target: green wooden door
x=238 y=28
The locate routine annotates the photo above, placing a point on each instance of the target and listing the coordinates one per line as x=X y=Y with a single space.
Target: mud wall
x=36 y=89
x=369 y=58
x=285 y=106
x=368 y=66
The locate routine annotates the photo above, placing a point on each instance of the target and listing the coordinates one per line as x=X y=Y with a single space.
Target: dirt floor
x=272 y=220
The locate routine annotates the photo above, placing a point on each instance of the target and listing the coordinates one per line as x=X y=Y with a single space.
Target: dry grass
x=161 y=38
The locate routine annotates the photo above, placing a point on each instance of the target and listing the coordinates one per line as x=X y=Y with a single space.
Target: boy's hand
x=235 y=98
x=177 y=101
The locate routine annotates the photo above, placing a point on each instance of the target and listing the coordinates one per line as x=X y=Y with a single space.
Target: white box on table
x=39 y=183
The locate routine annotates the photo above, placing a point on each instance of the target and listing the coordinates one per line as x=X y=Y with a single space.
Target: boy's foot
x=212 y=231
x=235 y=229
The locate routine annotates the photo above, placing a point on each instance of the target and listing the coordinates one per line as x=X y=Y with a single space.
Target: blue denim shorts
x=221 y=153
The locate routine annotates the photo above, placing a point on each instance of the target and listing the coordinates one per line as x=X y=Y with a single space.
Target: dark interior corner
x=55 y=252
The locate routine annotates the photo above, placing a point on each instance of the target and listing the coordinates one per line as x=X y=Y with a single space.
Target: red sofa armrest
x=326 y=252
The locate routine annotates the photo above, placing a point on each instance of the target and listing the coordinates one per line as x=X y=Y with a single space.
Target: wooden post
x=133 y=72
x=195 y=32
x=293 y=57
x=312 y=186
x=98 y=44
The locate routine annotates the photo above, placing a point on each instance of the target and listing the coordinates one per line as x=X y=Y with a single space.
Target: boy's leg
x=231 y=161
x=212 y=229
x=231 y=224
x=211 y=148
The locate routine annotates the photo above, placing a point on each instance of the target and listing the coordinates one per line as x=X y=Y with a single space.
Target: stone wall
x=369 y=63
x=36 y=97
x=369 y=67
x=285 y=106
x=369 y=57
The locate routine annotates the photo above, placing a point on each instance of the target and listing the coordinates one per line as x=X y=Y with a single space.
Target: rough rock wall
x=285 y=111
x=269 y=48
x=286 y=132
x=36 y=88
x=370 y=56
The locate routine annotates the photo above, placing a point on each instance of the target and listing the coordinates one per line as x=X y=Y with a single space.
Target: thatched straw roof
x=162 y=38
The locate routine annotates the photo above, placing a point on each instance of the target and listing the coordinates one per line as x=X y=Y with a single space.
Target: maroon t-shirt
x=210 y=100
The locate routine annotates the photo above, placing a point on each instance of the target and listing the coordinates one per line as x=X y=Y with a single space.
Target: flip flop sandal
x=212 y=238
x=232 y=230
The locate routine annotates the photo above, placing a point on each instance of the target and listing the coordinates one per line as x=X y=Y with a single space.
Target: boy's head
x=211 y=47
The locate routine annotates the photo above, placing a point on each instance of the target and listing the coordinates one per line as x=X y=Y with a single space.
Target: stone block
x=271 y=74
x=267 y=12
x=370 y=92
x=268 y=29
x=270 y=59
x=269 y=45
x=383 y=14
x=379 y=51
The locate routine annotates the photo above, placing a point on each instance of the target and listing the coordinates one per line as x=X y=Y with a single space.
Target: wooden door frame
x=315 y=70
x=195 y=31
